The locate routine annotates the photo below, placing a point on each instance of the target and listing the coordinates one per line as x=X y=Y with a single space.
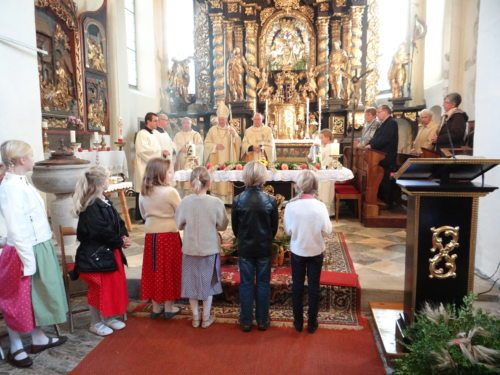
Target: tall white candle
x=96 y=137
x=230 y=114
x=335 y=147
x=72 y=136
x=307 y=111
x=120 y=128
x=267 y=109
x=254 y=105
x=319 y=114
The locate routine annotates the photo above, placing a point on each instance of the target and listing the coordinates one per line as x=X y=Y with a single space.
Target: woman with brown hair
x=161 y=266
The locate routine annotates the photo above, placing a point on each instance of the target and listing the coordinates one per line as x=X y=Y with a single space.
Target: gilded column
x=357 y=34
x=218 y=56
x=372 y=51
x=346 y=34
x=335 y=30
x=251 y=57
x=238 y=37
x=202 y=55
x=322 y=26
x=228 y=28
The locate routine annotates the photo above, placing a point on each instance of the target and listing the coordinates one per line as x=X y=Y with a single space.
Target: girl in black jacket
x=99 y=258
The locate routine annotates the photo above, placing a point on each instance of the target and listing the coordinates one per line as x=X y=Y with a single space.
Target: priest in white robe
x=322 y=153
x=166 y=142
x=258 y=141
x=188 y=142
x=222 y=145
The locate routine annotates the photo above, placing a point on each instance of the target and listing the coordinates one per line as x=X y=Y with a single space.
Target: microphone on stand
x=449 y=139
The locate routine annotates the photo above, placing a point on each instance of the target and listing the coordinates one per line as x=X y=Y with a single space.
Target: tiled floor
x=378 y=255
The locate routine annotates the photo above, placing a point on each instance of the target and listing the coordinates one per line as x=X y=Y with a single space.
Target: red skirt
x=162 y=267
x=15 y=292
x=108 y=290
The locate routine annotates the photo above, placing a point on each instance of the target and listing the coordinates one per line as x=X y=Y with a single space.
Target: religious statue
x=338 y=66
x=178 y=78
x=397 y=71
x=236 y=67
x=264 y=90
x=95 y=55
x=62 y=95
x=96 y=114
x=310 y=87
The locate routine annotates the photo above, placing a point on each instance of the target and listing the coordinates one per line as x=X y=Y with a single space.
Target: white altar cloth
x=115 y=161
x=343 y=174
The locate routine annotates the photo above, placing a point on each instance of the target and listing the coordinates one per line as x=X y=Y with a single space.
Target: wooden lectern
x=441 y=230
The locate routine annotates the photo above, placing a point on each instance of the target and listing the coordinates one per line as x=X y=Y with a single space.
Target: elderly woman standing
x=254 y=219
x=307 y=221
x=31 y=287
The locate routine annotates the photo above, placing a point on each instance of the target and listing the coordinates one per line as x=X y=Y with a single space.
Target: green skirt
x=47 y=294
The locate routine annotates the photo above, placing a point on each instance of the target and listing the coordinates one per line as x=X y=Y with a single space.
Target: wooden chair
x=346 y=192
x=69 y=284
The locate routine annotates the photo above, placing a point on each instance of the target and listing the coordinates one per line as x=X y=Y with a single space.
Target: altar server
x=31 y=285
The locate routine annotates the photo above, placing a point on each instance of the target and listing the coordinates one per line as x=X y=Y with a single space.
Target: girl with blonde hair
x=99 y=258
x=31 y=287
x=200 y=260
x=306 y=221
x=161 y=266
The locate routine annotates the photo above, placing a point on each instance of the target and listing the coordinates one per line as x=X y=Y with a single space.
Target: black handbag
x=100 y=259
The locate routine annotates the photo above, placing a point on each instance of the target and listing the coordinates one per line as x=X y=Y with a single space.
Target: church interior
x=412 y=216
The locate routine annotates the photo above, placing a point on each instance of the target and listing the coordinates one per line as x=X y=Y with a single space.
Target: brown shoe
x=51 y=344
x=21 y=363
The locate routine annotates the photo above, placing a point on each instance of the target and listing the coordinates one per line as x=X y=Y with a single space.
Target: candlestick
x=319 y=114
x=72 y=136
x=45 y=124
x=120 y=128
x=267 y=109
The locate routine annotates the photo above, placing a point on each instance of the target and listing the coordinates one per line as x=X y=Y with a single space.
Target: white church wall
x=20 y=112
x=488 y=132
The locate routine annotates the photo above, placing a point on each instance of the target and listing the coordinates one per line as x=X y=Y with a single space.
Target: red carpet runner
x=173 y=347
x=340 y=293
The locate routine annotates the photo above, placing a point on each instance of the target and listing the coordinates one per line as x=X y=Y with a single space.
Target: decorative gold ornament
x=307 y=11
x=265 y=14
x=340 y=3
x=232 y=7
x=251 y=57
x=322 y=26
x=372 y=54
x=337 y=124
x=216 y=4
x=218 y=56
x=287 y=5
x=202 y=54
x=443 y=254
x=324 y=7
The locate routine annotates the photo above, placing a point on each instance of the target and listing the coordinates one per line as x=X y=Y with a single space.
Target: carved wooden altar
x=296 y=59
x=73 y=74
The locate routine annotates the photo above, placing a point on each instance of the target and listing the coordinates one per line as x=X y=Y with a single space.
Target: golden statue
x=397 y=71
x=62 y=95
x=95 y=55
x=310 y=87
x=338 y=66
x=96 y=113
x=179 y=78
x=236 y=67
x=264 y=90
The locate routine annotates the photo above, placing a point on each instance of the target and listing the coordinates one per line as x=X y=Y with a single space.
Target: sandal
x=51 y=344
x=170 y=314
x=22 y=363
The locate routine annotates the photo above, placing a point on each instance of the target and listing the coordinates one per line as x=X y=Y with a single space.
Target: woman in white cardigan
x=306 y=221
x=201 y=216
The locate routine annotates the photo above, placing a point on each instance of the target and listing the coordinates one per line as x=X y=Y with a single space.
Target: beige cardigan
x=201 y=216
x=158 y=209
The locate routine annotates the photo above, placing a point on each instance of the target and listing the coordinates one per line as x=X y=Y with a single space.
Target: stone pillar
x=372 y=54
x=218 y=57
x=322 y=26
x=251 y=57
x=416 y=80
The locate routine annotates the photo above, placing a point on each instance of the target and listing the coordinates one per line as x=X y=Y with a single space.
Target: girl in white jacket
x=32 y=291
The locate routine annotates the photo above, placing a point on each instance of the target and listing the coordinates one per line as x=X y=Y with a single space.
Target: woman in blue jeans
x=254 y=219
x=307 y=221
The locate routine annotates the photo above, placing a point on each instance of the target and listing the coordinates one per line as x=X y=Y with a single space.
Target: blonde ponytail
x=88 y=187
x=199 y=179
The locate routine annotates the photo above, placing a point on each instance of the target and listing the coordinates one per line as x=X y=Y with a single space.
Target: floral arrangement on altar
x=75 y=123
x=279 y=165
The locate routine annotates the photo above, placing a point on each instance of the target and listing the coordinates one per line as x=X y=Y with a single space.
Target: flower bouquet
x=74 y=123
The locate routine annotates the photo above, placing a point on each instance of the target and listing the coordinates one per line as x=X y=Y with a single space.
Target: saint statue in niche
x=236 y=67
x=287 y=47
x=397 y=71
x=338 y=66
x=62 y=95
x=96 y=58
x=179 y=78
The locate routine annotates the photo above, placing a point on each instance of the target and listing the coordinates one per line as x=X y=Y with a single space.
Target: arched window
x=131 y=42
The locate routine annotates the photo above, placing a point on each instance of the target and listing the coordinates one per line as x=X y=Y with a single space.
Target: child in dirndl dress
x=161 y=266
x=100 y=226
x=32 y=291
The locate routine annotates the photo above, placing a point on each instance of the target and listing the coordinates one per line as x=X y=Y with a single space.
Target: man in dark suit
x=385 y=139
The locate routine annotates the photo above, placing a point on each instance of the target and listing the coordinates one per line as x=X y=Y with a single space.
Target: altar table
x=115 y=161
x=120 y=189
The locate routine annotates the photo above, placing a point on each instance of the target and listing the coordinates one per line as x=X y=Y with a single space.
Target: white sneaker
x=115 y=324
x=100 y=329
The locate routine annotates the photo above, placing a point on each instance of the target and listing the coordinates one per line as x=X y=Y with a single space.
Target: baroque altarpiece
x=73 y=73
x=297 y=62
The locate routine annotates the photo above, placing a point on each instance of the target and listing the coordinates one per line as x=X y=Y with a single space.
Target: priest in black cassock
x=385 y=139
